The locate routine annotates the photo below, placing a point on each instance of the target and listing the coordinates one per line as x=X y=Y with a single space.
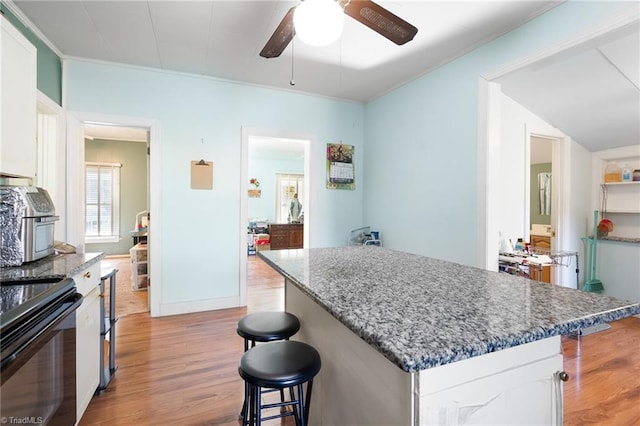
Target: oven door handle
x=49 y=322
x=44 y=219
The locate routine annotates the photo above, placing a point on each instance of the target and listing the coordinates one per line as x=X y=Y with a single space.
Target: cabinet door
x=296 y=237
x=87 y=279
x=543 y=275
x=278 y=236
x=527 y=395
x=87 y=350
x=540 y=241
x=18 y=109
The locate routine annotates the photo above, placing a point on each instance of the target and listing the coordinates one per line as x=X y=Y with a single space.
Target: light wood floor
x=128 y=301
x=182 y=370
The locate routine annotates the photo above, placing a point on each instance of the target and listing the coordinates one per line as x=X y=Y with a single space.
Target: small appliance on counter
x=27 y=219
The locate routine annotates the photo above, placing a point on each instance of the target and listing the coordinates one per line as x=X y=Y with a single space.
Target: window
x=102 y=202
x=287 y=185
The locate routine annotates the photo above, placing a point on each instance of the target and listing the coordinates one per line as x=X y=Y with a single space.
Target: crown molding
x=13 y=8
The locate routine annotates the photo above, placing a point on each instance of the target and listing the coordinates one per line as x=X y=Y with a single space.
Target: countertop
x=421 y=312
x=55 y=266
x=621 y=239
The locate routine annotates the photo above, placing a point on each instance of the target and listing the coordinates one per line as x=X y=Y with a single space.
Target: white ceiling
x=223 y=39
x=590 y=92
x=115 y=133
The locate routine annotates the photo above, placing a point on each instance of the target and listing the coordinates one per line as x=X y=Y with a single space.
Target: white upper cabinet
x=18 y=64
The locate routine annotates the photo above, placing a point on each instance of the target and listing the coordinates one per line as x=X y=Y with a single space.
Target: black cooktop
x=19 y=298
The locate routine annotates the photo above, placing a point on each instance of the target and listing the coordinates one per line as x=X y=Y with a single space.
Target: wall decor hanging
x=202 y=174
x=254 y=192
x=340 y=167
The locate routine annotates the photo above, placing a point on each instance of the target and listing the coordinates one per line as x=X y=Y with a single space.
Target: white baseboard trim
x=192 y=306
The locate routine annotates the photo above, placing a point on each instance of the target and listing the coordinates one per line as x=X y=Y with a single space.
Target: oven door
x=38 y=237
x=38 y=377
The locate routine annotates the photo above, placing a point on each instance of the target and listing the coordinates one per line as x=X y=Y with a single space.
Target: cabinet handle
x=562 y=376
x=87 y=274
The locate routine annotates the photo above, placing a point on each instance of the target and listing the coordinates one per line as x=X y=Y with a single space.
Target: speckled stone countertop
x=421 y=312
x=621 y=239
x=57 y=266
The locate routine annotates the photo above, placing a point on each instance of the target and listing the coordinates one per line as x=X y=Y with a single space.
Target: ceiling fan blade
x=281 y=37
x=380 y=20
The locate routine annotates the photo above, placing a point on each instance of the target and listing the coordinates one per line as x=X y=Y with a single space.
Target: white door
x=75 y=183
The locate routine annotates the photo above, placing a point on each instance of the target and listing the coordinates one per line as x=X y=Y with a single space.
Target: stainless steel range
x=27 y=219
x=38 y=351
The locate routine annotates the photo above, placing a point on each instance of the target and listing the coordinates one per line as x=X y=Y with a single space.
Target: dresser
x=544 y=243
x=286 y=235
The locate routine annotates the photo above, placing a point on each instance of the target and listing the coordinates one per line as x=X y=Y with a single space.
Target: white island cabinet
x=18 y=109
x=410 y=340
x=87 y=337
x=516 y=386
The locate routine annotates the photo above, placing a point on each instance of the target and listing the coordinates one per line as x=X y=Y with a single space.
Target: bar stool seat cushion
x=280 y=364
x=268 y=326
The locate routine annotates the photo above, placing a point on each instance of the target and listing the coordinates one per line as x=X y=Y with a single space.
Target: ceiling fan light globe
x=318 y=22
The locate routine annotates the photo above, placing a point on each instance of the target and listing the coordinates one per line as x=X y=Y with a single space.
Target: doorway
x=575 y=161
x=541 y=211
x=76 y=197
x=116 y=207
x=266 y=156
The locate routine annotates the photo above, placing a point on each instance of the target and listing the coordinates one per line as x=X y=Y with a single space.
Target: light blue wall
x=622 y=281
x=200 y=228
x=421 y=140
x=265 y=171
x=416 y=173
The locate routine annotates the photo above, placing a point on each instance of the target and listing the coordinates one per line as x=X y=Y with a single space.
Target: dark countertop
x=421 y=312
x=55 y=266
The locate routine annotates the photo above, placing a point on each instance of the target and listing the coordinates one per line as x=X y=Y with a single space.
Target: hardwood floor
x=604 y=371
x=182 y=370
x=128 y=301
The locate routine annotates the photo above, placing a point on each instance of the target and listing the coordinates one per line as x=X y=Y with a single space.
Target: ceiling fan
x=366 y=12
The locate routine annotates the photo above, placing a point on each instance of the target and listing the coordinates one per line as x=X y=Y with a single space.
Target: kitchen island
x=408 y=340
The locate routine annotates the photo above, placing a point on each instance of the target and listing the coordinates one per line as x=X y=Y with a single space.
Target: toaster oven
x=27 y=215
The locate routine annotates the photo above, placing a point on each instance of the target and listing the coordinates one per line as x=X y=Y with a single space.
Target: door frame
x=51 y=160
x=559 y=184
x=308 y=202
x=488 y=137
x=75 y=189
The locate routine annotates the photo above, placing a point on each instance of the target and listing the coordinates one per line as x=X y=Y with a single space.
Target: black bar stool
x=279 y=365
x=266 y=327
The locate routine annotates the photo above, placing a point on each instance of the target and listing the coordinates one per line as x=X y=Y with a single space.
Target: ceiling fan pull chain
x=292 y=81
x=340 y=74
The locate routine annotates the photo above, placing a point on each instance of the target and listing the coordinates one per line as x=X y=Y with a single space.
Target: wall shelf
x=633 y=182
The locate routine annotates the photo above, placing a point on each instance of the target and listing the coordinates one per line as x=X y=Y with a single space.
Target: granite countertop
x=56 y=266
x=421 y=312
x=621 y=239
